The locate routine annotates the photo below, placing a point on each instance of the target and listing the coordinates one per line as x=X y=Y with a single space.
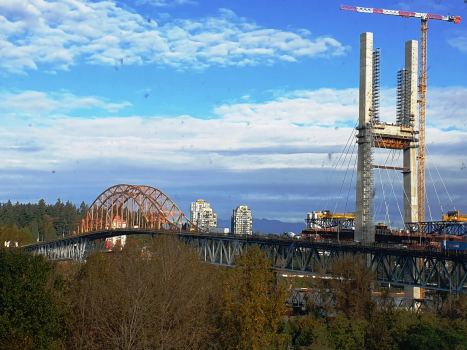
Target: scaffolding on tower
x=422 y=87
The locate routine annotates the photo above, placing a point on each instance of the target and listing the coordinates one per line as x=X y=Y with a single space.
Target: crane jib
x=455 y=19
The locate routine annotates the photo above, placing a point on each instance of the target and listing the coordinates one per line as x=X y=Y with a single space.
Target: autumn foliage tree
x=159 y=298
x=353 y=287
x=251 y=314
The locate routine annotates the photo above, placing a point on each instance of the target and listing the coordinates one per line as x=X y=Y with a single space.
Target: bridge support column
x=363 y=195
x=410 y=153
x=412 y=295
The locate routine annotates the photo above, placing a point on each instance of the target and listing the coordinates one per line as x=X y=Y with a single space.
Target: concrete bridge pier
x=410 y=152
x=373 y=133
x=363 y=219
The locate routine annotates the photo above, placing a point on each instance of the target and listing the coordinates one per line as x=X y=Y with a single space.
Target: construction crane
x=422 y=84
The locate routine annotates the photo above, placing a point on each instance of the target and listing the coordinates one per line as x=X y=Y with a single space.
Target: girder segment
x=324 y=223
x=442 y=228
x=394 y=136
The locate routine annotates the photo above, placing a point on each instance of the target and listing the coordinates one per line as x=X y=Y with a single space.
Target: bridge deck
x=413 y=266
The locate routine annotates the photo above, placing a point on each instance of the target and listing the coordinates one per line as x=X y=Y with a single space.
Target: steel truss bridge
x=125 y=210
x=455 y=228
x=429 y=269
x=325 y=223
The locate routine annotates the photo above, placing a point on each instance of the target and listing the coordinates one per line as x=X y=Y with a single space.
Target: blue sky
x=236 y=102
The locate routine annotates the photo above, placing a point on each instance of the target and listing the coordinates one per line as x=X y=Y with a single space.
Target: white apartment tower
x=202 y=215
x=242 y=221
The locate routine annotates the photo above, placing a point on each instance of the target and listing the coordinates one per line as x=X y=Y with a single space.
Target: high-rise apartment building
x=202 y=215
x=242 y=221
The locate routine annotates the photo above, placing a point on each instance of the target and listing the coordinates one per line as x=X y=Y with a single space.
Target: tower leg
x=365 y=100
x=410 y=153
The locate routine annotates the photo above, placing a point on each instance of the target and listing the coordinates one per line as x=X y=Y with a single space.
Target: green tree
x=83 y=208
x=253 y=305
x=13 y=234
x=303 y=330
x=47 y=228
x=8 y=214
x=347 y=333
x=34 y=230
x=30 y=315
x=384 y=328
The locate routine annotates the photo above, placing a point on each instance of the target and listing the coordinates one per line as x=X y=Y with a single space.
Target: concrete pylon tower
x=363 y=196
x=410 y=152
x=375 y=134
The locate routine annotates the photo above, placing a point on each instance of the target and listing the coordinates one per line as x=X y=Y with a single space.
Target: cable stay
x=347 y=145
x=447 y=192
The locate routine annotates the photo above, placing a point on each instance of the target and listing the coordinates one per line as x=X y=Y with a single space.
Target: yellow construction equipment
x=454 y=216
x=327 y=214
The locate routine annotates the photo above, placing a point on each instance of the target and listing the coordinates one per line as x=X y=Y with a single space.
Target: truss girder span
x=441 y=228
x=74 y=248
x=132 y=206
x=438 y=271
x=325 y=223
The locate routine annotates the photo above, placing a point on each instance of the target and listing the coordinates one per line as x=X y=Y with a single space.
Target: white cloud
x=447 y=107
x=459 y=42
x=35 y=103
x=297 y=131
x=323 y=107
x=164 y=3
x=65 y=32
x=255 y=149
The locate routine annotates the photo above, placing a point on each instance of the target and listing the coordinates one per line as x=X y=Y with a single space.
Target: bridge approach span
x=439 y=270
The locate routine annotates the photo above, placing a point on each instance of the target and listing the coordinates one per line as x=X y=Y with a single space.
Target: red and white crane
x=426 y=16
x=422 y=84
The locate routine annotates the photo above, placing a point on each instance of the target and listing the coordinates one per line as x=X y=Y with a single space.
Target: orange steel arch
x=134 y=207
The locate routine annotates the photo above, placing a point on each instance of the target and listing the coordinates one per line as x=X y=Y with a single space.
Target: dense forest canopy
x=26 y=223
x=163 y=297
x=158 y=295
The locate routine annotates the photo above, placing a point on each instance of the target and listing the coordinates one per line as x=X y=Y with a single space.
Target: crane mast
x=422 y=85
x=421 y=120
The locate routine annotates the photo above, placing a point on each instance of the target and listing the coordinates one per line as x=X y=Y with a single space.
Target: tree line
x=27 y=223
x=161 y=296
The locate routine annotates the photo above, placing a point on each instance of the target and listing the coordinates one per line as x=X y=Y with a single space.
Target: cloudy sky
x=236 y=102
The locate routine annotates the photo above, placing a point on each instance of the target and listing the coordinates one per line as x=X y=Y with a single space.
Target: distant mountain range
x=269 y=226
